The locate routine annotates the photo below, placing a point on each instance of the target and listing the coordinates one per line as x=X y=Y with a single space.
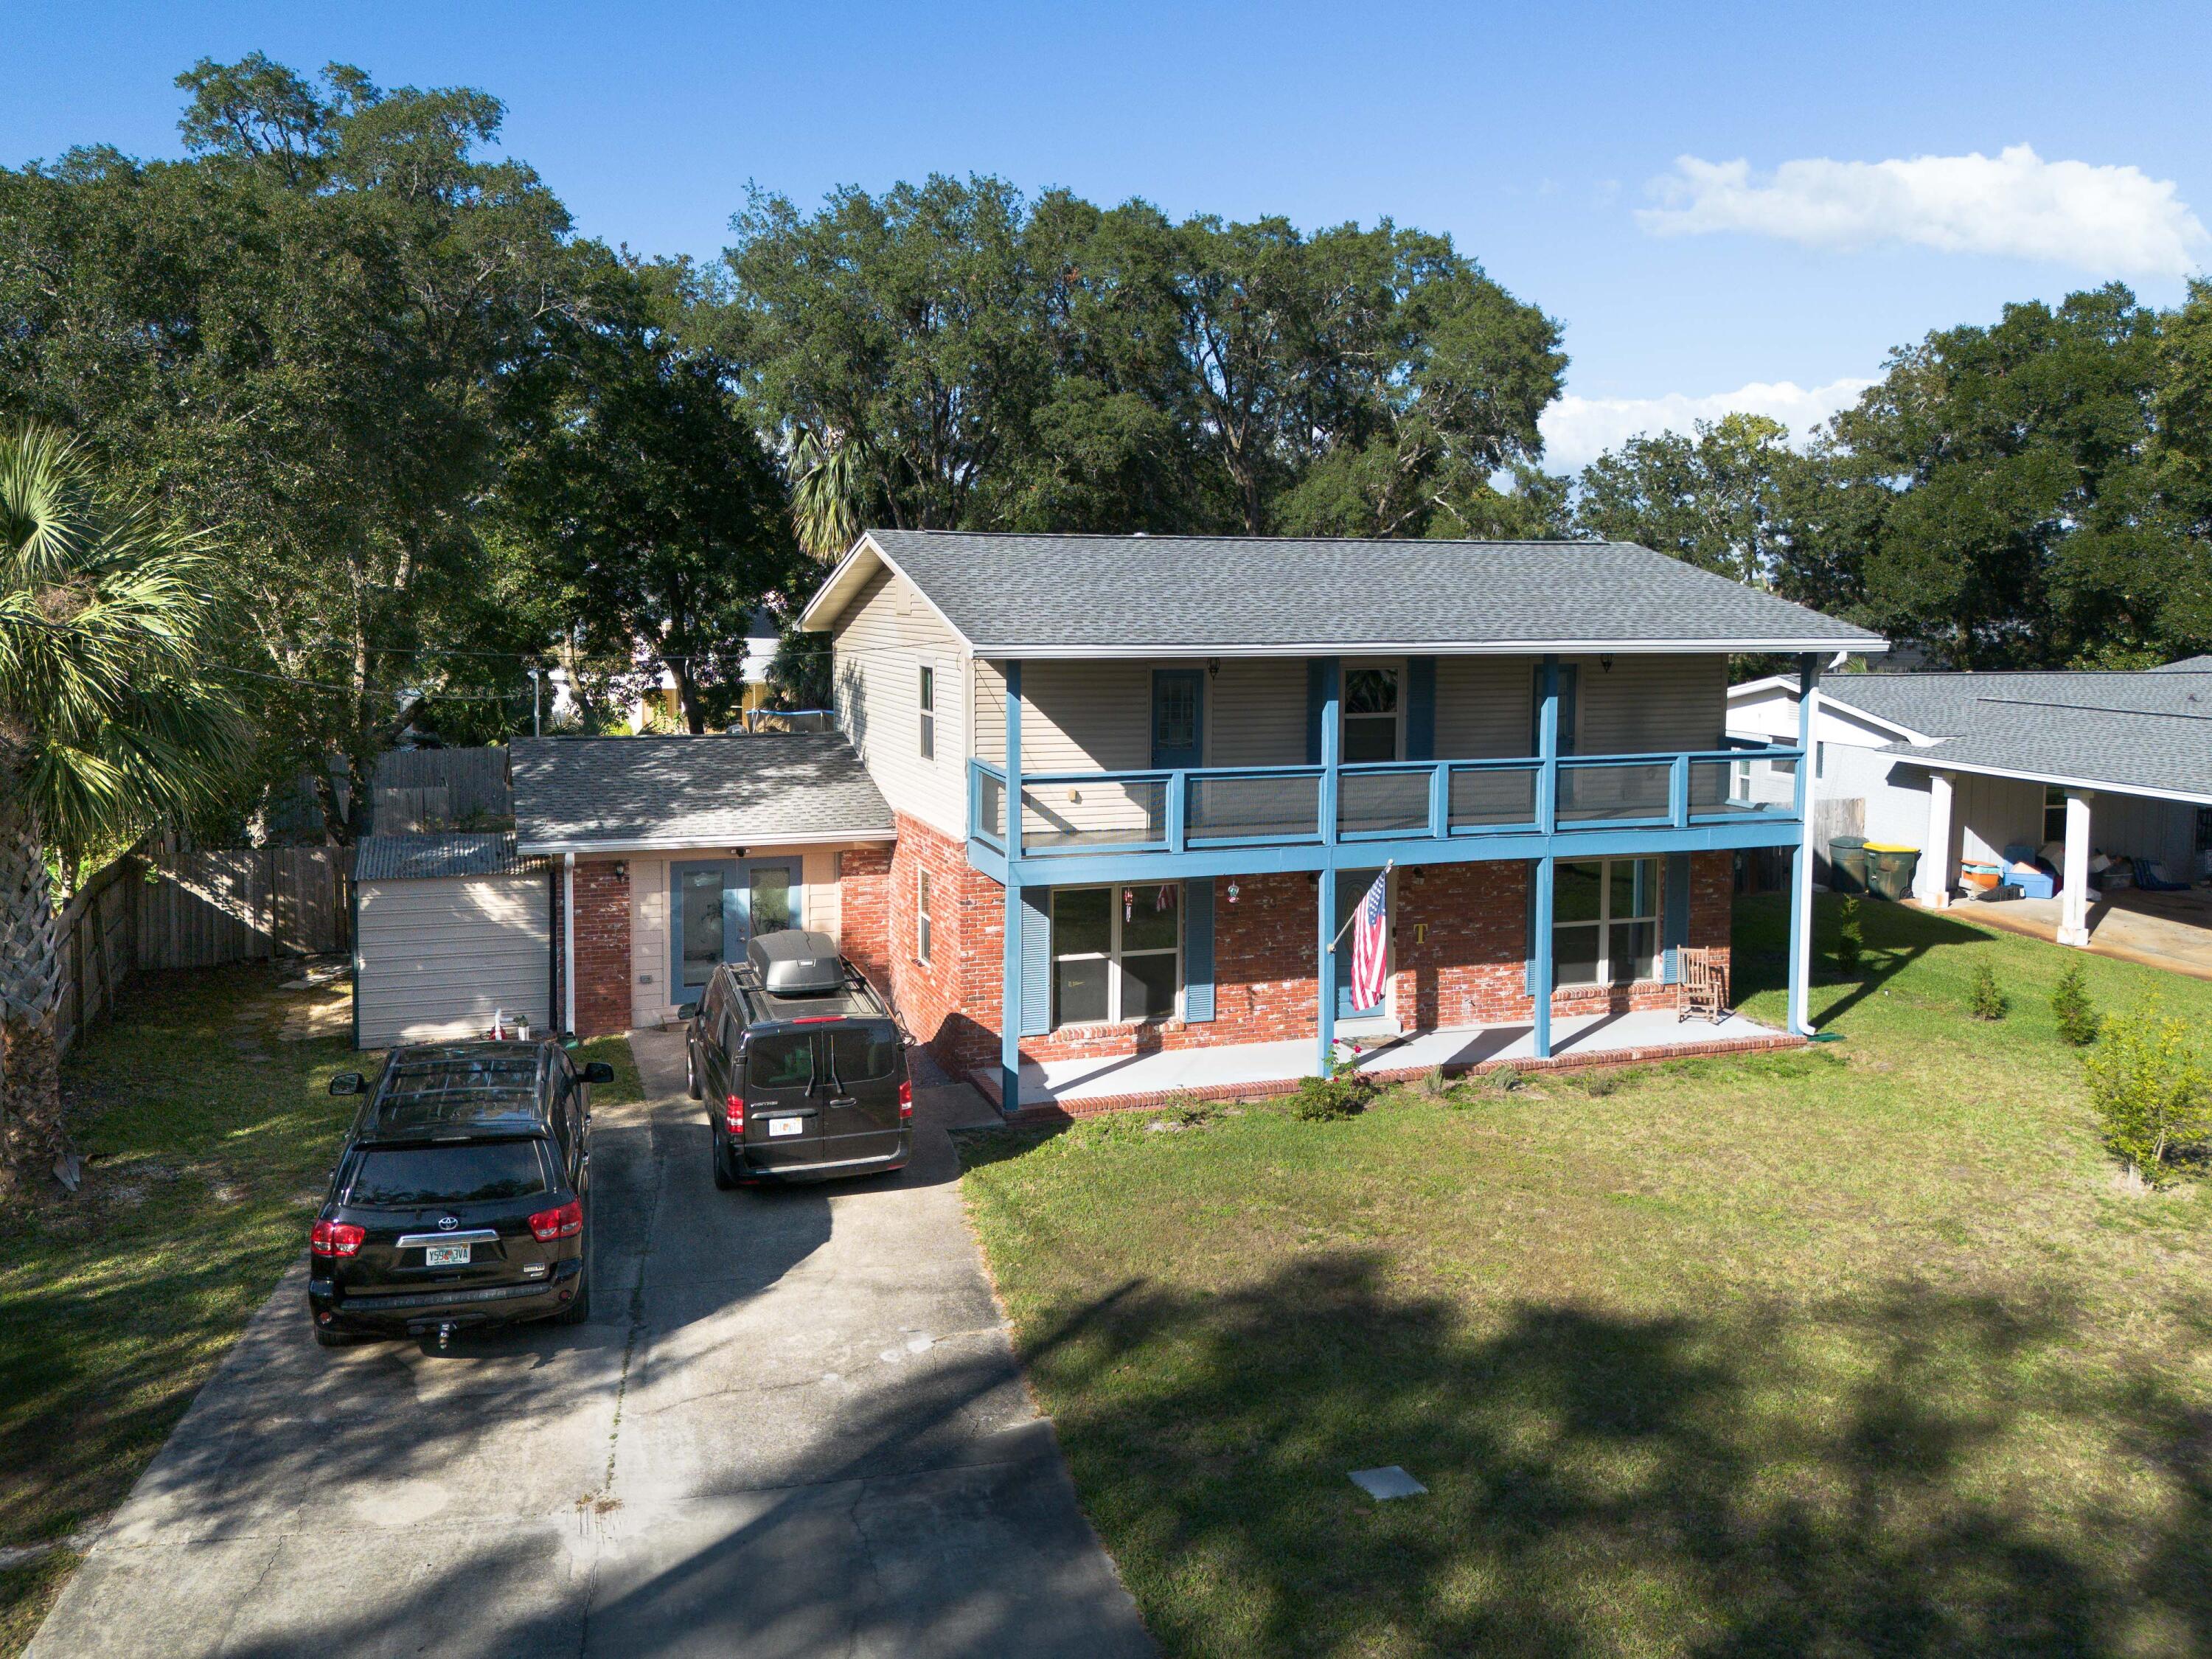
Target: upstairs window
x=923 y=923
x=928 y=699
x=1371 y=714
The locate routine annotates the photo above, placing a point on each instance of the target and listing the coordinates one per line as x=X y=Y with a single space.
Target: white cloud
x=2109 y=220
x=1576 y=430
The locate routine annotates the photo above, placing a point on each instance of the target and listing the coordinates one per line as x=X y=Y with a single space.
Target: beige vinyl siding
x=438 y=958
x=880 y=644
x=1482 y=707
x=1256 y=712
x=1647 y=705
x=649 y=942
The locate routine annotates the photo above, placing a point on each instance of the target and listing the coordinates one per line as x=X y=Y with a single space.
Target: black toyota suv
x=461 y=1195
x=802 y=1065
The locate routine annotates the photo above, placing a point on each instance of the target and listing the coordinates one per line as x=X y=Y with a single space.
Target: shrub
x=2148 y=1083
x=1344 y=1092
x=1850 y=939
x=1508 y=1077
x=1986 y=998
x=1432 y=1084
x=2071 y=1007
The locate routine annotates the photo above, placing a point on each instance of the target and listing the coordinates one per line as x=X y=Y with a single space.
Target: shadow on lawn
x=1844 y=1481
x=1896 y=938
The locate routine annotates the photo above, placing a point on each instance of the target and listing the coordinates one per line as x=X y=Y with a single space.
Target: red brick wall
x=1459 y=943
x=603 y=1003
x=864 y=911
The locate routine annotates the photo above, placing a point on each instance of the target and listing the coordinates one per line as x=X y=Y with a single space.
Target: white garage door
x=438 y=957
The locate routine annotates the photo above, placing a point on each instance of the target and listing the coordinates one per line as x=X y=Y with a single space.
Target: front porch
x=1250 y=1071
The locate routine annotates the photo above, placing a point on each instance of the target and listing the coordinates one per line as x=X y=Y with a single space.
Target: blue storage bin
x=2033 y=884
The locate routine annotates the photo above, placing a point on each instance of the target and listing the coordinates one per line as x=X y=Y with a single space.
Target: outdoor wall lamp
x=1212 y=666
x=1605 y=661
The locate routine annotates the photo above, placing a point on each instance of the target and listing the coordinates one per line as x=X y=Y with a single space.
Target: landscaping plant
x=1343 y=1093
x=1987 y=1000
x=2148 y=1082
x=2071 y=1007
x=1850 y=939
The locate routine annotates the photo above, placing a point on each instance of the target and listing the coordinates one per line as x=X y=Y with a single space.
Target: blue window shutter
x=1420 y=709
x=1316 y=695
x=1528 y=929
x=1674 y=914
x=1197 y=950
x=1036 y=961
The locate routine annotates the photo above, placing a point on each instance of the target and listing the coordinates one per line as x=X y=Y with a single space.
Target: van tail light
x=564 y=1222
x=906 y=1099
x=336 y=1238
x=733 y=1113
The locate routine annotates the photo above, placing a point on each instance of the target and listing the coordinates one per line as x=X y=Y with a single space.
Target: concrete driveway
x=794 y=1426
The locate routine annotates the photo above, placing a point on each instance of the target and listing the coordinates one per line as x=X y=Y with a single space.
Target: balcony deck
x=1254 y=1070
x=1310 y=817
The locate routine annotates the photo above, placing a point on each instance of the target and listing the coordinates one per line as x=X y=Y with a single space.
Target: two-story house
x=1139 y=783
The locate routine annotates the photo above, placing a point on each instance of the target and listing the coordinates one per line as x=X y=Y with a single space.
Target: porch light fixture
x=1212 y=666
x=1605 y=661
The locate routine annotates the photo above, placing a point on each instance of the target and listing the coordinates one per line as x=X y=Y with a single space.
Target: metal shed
x=447 y=929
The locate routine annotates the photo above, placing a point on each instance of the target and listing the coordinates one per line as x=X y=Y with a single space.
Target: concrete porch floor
x=2173 y=931
x=1249 y=1070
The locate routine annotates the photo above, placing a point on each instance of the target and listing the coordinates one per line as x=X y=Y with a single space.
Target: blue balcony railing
x=1232 y=806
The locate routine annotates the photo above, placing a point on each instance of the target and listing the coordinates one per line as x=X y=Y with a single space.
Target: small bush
x=1850 y=939
x=1344 y=1092
x=2071 y=1007
x=1433 y=1084
x=2148 y=1083
x=1508 y=1077
x=1987 y=1000
x=1599 y=1084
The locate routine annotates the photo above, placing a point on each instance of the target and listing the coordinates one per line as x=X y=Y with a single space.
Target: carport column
x=569 y=942
x=1932 y=884
x=1801 y=872
x=1332 y=732
x=2074 y=900
x=1009 y=1002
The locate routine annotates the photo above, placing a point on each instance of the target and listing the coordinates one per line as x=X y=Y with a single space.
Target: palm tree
x=826 y=489
x=109 y=722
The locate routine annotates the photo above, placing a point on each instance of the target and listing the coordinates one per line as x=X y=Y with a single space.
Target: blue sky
x=1545 y=140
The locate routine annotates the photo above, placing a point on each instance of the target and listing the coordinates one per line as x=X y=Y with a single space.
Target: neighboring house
x=668 y=853
x=659 y=706
x=1215 y=743
x=1965 y=765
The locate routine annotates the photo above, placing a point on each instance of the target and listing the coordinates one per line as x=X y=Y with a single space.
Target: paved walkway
x=793 y=1426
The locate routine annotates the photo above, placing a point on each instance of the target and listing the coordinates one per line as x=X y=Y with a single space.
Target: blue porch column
x=1010 y=1008
x=1800 y=860
x=1332 y=732
x=1547 y=821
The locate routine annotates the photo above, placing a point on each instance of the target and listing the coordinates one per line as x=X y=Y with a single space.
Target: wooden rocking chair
x=1701 y=986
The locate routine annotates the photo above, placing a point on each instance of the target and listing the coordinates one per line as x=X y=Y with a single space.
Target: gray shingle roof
x=615 y=792
x=1008 y=594
x=2142 y=731
x=2186 y=666
x=426 y=857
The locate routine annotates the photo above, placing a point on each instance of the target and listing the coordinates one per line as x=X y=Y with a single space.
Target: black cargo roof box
x=793 y=963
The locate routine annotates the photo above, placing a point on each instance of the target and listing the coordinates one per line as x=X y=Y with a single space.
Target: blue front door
x=715 y=906
x=1178 y=718
x=1351 y=886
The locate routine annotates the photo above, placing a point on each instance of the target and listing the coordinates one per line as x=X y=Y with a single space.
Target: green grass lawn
x=1855 y=1350
x=209 y=1142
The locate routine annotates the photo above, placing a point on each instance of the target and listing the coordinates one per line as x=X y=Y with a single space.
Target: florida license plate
x=785 y=1125
x=445 y=1256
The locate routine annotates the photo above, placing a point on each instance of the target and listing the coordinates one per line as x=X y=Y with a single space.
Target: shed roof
x=1025 y=595
x=617 y=794
x=429 y=857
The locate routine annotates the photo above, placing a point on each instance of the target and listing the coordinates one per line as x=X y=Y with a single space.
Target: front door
x=1351 y=886
x=716 y=908
x=1178 y=718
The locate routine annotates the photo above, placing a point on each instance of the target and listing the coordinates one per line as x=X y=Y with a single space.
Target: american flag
x=1370 y=949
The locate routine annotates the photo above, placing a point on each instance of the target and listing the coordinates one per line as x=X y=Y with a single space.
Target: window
x=863 y=1054
x=922 y=928
x=1371 y=714
x=1605 y=922
x=417 y=1177
x=780 y=1061
x=2054 y=815
x=1114 y=955
x=928 y=712
x=1740 y=780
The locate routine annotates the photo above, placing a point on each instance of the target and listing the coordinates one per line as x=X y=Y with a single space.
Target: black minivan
x=802 y=1064
x=460 y=1196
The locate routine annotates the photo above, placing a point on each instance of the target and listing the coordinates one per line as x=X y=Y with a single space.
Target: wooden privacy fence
x=160 y=908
